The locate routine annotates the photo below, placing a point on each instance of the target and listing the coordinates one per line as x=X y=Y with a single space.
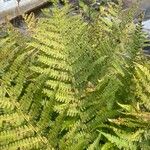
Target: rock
x=143 y=4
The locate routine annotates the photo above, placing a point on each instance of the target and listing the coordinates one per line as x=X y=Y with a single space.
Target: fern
x=16 y=130
x=76 y=84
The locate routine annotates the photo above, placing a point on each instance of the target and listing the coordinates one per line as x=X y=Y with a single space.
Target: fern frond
x=120 y=143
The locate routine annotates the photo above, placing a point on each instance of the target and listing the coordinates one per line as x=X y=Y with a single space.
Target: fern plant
x=76 y=84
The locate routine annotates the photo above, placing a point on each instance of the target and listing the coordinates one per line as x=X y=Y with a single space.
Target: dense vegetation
x=75 y=81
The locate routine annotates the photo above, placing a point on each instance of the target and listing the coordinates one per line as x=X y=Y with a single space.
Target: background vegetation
x=75 y=81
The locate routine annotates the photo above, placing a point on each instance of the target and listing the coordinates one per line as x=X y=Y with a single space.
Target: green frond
x=95 y=144
x=142 y=80
x=120 y=143
x=26 y=143
x=108 y=146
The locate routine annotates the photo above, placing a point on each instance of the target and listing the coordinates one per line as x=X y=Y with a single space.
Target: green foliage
x=73 y=84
